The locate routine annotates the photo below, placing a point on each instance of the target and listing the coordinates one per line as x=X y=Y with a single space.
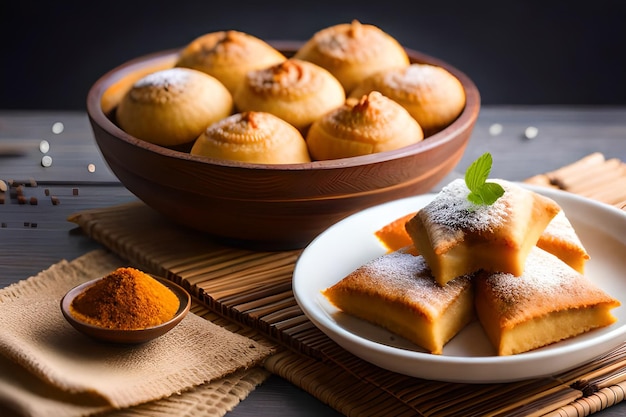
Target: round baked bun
x=431 y=94
x=228 y=56
x=373 y=123
x=172 y=107
x=256 y=137
x=297 y=91
x=353 y=51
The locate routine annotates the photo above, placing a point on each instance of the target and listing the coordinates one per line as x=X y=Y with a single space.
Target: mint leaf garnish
x=481 y=191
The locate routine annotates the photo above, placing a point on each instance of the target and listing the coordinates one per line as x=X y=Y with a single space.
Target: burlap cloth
x=47 y=368
x=249 y=293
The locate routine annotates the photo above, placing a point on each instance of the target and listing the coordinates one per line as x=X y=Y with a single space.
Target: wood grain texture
x=34 y=236
x=254 y=289
x=270 y=206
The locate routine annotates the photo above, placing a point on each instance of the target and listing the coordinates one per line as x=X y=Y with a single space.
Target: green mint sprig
x=481 y=191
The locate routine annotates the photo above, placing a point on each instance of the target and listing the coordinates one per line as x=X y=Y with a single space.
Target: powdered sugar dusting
x=419 y=74
x=412 y=78
x=542 y=274
x=406 y=279
x=560 y=228
x=165 y=78
x=547 y=285
x=451 y=208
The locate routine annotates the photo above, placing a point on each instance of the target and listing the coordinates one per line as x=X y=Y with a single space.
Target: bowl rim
x=125 y=335
x=462 y=122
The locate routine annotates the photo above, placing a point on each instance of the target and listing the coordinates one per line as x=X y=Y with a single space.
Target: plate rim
x=471 y=372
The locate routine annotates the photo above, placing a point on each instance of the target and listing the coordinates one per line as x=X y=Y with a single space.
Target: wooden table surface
x=54 y=156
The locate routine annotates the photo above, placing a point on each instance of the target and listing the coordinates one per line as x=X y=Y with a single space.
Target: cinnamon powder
x=126 y=299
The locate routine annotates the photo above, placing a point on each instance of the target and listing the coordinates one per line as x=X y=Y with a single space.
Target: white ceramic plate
x=468 y=357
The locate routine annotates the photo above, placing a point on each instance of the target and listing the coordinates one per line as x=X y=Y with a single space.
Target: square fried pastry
x=548 y=303
x=457 y=237
x=396 y=291
x=393 y=235
x=559 y=238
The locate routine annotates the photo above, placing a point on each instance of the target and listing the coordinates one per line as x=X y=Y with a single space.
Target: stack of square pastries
x=517 y=265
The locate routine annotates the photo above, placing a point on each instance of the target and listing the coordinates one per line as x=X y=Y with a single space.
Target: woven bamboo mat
x=251 y=290
x=593 y=177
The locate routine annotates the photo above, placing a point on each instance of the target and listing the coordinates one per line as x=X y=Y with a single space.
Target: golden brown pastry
x=228 y=56
x=457 y=237
x=256 y=137
x=373 y=123
x=353 y=51
x=559 y=238
x=397 y=292
x=393 y=235
x=548 y=303
x=173 y=106
x=298 y=92
x=431 y=94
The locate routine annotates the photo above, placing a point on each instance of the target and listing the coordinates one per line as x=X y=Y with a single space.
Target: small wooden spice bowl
x=126 y=336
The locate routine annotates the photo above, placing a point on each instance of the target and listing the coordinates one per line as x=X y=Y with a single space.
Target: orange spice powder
x=126 y=299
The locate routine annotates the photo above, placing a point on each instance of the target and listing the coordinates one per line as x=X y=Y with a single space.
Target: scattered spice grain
x=126 y=299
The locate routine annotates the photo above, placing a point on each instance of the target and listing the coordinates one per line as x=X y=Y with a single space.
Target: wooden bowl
x=269 y=207
x=126 y=336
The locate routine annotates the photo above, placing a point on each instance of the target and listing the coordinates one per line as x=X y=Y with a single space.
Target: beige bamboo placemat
x=254 y=289
x=593 y=177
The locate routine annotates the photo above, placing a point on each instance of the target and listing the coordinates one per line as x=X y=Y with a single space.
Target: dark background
x=517 y=52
